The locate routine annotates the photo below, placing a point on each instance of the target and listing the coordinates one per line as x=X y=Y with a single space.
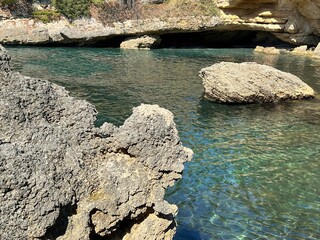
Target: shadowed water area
x=255 y=172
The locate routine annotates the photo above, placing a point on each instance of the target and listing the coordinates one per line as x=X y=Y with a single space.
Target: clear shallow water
x=256 y=168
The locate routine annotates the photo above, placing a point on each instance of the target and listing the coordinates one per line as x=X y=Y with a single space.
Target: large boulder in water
x=249 y=82
x=63 y=178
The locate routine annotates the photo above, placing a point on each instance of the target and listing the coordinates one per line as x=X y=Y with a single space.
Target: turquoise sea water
x=256 y=168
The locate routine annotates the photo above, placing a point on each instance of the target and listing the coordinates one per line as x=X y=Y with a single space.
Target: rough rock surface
x=301 y=50
x=250 y=82
x=144 y=42
x=89 y=31
x=293 y=21
x=267 y=50
x=63 y=178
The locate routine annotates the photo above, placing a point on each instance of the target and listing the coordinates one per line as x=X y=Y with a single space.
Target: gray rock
x=144 y=42
x=63 y=178
x=267 y=50
x=228 y=82
x=317 y=50
x=4 y=60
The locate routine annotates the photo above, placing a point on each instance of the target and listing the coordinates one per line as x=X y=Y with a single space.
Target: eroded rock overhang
x=93 y=33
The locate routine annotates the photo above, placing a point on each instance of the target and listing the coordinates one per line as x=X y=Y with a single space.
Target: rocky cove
x=235 y=23
x=99 y=173
x=254 y=165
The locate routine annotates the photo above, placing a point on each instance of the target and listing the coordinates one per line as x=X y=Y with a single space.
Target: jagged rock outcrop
x=293 y=21
x=63 y=178
x=250 y=82
x=144 y=42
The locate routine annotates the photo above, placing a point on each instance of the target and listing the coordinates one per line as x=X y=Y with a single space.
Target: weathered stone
x=63 y=178
x=302 y=48
x=292 y=21
x=267 y=50
x=297 y=21
x=89 y=31
x=228 y=82
x=144 y=42
x=4 y=60
x=317 y=50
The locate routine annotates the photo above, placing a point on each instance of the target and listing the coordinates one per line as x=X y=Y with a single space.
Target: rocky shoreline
x=288 y=21
x=64 y=178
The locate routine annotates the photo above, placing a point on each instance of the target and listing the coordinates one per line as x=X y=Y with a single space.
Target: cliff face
x=63 y=178
x=293 y=21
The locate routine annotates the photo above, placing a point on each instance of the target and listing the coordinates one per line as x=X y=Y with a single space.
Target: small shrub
x=73 y=9
x=97 y=2
x=8 y=2
x=110 y=12
x=46 y=15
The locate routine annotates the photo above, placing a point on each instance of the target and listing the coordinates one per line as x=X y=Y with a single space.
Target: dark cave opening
x=221 y=39
x=205 y=39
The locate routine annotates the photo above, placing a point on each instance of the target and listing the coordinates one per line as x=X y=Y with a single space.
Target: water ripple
x=256 y=167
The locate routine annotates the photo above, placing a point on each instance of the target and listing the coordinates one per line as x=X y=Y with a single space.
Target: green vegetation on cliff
x=7 y=2
x=73 y=9
x=46 y=15
x=110 y=11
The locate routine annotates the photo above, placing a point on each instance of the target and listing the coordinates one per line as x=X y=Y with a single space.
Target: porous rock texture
x=91 y=31
x=144 y=42
x=293 y=21
x=249 y=82
x=267 y=50
x=63 y=178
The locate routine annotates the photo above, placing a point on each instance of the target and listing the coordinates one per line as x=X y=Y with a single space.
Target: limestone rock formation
x=293 y=21
x=144 y=42
x=301 y=50
x=63 y=178
x=316 y=51
x=267 y=50
x=90 y=31
x=250 y=82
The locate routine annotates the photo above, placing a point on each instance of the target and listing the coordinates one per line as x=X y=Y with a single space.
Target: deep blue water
x=256 y=168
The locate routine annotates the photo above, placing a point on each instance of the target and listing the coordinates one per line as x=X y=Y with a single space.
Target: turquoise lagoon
x=256 y=168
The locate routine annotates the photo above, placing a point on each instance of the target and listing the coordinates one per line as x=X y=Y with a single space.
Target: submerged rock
x=144 y=42
x=63 y=178
x=250 y=82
